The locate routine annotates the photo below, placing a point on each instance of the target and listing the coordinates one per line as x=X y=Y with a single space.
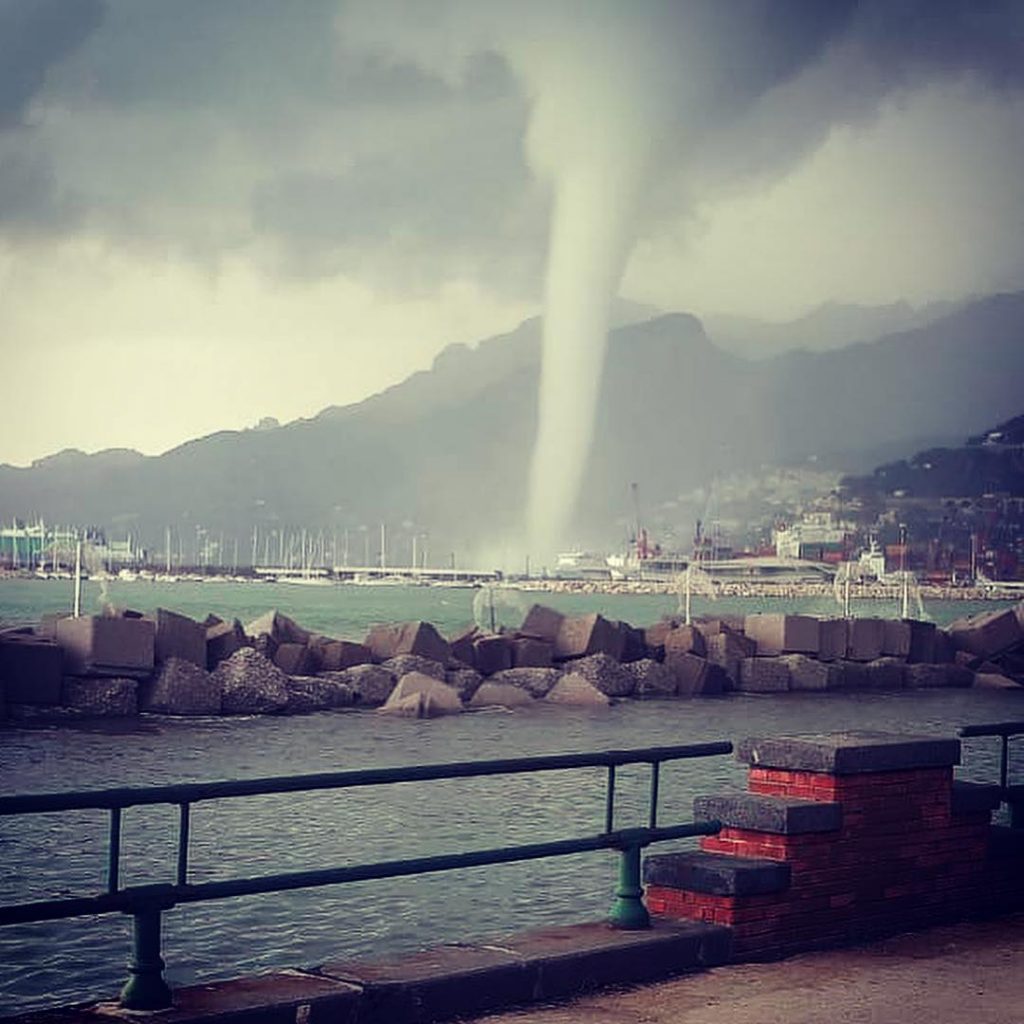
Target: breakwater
x=119 y=664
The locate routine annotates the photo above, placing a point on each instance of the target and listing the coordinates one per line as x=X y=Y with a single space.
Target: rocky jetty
x=168 y=664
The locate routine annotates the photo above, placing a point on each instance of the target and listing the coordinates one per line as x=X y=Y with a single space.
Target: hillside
x=446 y=453
x=989 y=463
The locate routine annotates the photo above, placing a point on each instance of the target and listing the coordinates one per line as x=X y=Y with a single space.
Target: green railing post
x=628 y=910
x=146 y=988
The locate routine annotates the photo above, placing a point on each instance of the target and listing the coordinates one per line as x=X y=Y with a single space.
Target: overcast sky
x=217 y=210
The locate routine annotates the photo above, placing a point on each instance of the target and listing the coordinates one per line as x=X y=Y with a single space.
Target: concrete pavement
x=971 y=972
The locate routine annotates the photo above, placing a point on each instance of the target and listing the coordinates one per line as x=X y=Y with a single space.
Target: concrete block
x=31 y=670
x=717 y=874
x=634 y=647
x=503 y=695
x=250 y=684
x=943 y=650
x=864 y=639
x=832 y=639
x=543 y=623
x=922 y=641
x=606 y=674
x=776 y=633
x=995 y=681
x=492 y=654
x=588 y=634
x=464 y=681
x=402 y=664
x=885 y=674
x=178 y=636
x=371 y=684
x=727 y=650
x=180 y=688
x=296 y=660
x=690 y=672
x=48 y=624
x=222 y=640
x=850 y=753
x=685 y=640
x=279 y=627
x=896 y=636
x=925 y=676
x=852 y=675
x=101 y=697
x=763 y=675
x=106 y=646
x=575 y=689
x=433 y=697
x=711 y=627
x=419 y=638
x=777 y=815
x=654 y=637
x=536 y=681
x=530 y=653
x=461 y=645
x=338 y=655
x=989 y=634
x=651 y=678
x=810 y=674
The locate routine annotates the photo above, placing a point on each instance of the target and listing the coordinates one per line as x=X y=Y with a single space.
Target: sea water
x=45 y=856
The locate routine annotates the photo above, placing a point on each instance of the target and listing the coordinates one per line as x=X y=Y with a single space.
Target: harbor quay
x=838 y=839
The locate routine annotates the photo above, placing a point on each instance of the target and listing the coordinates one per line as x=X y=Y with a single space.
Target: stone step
x=760 y=813
x=974 y=797
x=1006 y=844
x=716 y=873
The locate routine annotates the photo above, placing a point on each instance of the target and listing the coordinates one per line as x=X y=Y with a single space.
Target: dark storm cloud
x=240 y=56
x=943 y=37
x=460 y=186
x=34 y=35
x=423 y=165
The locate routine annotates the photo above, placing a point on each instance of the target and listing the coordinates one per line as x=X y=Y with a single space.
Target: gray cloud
x=30 y=202
x=34 y=35
x=386 y=140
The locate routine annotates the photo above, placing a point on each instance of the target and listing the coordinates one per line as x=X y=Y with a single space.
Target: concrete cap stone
x=718 y=874
x=774 y=814
x=849 y=753
x=974 y=797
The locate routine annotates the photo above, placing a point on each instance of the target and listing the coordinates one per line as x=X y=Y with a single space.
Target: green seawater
x=347 y=611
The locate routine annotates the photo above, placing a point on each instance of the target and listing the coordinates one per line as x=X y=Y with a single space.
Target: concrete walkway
x=970 y=972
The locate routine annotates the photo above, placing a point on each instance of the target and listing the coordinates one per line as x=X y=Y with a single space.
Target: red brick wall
x=901 y=860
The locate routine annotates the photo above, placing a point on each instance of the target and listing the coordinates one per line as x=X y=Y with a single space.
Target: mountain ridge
x=447 y=451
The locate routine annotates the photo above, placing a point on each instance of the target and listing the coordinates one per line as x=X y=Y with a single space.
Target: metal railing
x=1011 y=795
x=146 y=987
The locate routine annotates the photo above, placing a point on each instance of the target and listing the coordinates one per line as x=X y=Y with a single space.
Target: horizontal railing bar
x=196 y=791
x=168 y=895
x=992 y=729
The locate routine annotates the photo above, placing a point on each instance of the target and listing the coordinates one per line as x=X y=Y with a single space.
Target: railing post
x=628 y=911
x=146 y=988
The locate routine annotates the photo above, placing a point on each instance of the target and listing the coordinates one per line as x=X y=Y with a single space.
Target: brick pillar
x=839 y=838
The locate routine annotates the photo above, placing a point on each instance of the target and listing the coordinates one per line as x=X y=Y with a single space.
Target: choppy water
x=51 y=855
